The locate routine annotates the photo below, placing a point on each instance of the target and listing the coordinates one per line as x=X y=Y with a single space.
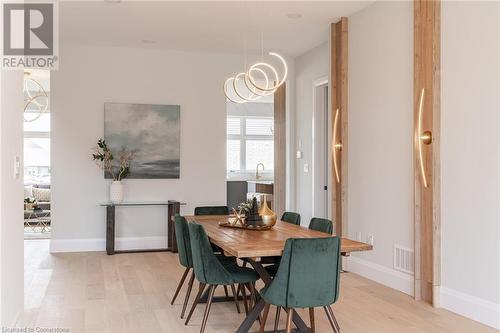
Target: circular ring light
x=253 y=81
x=32 y=100
x=227 y=95
x=251 y=98
x=257 y=91
x=254 y=89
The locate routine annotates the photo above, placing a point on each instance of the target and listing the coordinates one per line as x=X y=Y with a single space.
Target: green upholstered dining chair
x=186 y=259
x=291 y=217
x=211 y=210
x=308 y=277
x=209 y=271
x=323 y=225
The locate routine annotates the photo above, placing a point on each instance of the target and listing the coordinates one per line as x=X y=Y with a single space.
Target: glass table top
x=142 y=203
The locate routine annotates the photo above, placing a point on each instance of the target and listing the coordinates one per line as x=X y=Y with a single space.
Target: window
x=250 y=138
x=37 y=137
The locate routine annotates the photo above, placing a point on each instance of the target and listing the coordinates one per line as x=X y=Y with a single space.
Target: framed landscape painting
x=151 y=132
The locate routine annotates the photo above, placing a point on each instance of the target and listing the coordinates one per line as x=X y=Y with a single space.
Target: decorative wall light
x=35 y=97
x=336 y=145
x=252 y=90
x=423 y=137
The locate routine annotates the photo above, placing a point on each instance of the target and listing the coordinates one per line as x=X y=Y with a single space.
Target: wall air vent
x=404 y=259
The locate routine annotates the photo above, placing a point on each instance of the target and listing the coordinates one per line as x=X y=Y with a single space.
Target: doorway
x=37 y=169
x=322 y=156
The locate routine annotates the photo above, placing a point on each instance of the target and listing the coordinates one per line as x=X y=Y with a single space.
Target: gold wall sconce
x=423 y=138
x=336 y=145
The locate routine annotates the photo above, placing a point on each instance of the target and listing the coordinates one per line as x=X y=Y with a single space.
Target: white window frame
x=243 y=137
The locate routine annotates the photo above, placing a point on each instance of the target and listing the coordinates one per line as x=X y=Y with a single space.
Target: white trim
x=475 y=308
x=381 y=274
x=99 y=244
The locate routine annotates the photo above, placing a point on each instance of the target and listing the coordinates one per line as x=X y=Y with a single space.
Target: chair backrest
x=211 y=210
x=207 y=268
x=183 y=241
x=308 y=275
x=291 y=217
x=323 y=225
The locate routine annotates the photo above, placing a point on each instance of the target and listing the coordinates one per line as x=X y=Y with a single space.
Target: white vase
x=116 y=192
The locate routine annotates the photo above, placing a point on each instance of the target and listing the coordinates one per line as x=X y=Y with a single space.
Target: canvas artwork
x=151 y=132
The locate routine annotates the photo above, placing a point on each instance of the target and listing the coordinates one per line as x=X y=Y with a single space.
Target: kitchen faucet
x=257 y=176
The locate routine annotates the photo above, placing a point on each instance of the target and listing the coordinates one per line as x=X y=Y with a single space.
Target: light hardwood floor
x=93 y=292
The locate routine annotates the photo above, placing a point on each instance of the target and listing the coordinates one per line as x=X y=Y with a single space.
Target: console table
x=173 y=208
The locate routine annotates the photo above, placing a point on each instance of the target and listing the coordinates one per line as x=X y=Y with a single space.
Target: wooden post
x=427 y=92
x=338 y=98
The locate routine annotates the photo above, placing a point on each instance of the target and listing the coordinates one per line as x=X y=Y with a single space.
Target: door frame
x=318 y=133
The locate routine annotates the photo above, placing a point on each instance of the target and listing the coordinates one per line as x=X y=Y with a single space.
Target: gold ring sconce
x=423 y=138
x=337 y=145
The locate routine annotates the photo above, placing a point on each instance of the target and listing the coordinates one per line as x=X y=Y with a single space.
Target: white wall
x=90 y=76
x=380 y=184
x=470 y=152
x=309 y=67
x=11 y=198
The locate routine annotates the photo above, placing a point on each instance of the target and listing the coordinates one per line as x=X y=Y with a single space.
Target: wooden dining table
x=253 y=245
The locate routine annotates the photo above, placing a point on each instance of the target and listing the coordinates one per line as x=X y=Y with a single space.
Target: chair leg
x=188 y=293
x=334 y=318
x=277 y=321
x=235 y=295
x=207 y=309
x=289 y=318
x=226 y=293
x=244 y=295
x=264 y=318
x=181 y=282
x=331 y=319
x=311 y=317
x=196 y=301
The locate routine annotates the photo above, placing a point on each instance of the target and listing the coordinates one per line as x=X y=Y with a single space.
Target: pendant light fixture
x=35 y=97
x=252 y=90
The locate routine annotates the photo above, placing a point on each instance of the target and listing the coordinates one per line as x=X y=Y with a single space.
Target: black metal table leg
x=110 y=229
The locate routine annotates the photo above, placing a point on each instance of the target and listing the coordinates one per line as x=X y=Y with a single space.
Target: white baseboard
x=472 y=307
x=99 y=244
x=381 y=274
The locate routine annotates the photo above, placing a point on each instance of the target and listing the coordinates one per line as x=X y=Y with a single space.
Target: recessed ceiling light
x=148 y=41
x=294 y=16
x=113 y=1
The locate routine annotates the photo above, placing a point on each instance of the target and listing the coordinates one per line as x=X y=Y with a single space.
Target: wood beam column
x=338 y=100
x=427 y=100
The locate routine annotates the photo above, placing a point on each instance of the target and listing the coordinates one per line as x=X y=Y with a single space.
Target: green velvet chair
x=323 y=225
x=291 y=217
x=186 y=260
x=209 y=271
x=308 y=277
x=211 y=210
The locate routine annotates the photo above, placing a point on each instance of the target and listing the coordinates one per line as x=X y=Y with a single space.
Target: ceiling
x=220 y=27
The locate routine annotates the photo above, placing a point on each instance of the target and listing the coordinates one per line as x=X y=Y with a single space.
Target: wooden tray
x=226 y=224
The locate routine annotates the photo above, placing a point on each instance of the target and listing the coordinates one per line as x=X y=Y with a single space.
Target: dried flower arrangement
x=104 y=159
